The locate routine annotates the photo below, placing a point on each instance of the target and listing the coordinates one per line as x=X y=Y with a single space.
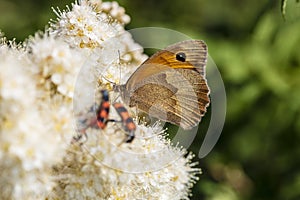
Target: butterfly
x=171 y=84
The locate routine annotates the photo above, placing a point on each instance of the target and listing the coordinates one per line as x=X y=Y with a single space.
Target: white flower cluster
x=112 y=9
x=30 y=128
x=102 y=170
x=51 y=78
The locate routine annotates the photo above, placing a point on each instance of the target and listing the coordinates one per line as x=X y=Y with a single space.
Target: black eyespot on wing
x=181 y=57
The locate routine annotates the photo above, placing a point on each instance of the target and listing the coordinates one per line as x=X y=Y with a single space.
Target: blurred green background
x=258 y=55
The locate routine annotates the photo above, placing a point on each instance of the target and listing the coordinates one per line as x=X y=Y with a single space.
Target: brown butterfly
x=171 y=84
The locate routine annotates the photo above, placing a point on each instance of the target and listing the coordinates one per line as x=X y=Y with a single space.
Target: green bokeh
x=258 y=55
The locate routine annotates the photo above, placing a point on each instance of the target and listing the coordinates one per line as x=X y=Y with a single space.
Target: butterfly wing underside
x=171 y=84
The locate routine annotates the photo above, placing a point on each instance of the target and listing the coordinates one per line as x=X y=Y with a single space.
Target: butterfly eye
x=181 y=56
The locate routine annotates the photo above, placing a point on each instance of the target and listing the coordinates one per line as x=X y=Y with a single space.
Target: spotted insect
x=102 y=118
x=90 y=120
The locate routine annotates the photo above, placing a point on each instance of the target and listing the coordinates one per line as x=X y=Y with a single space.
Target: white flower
x=83 y=27
x=28 y=143
x=101 y=169
x=113 y=9
x=86 y=25
x=56 y=64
